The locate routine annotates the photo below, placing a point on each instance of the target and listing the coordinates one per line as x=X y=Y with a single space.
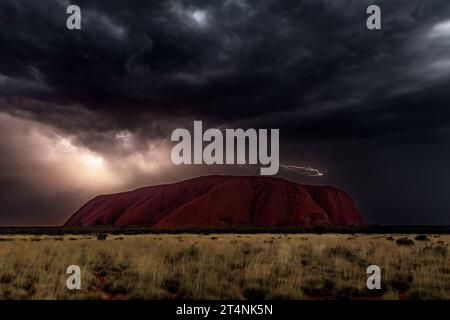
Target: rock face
x=221 y=201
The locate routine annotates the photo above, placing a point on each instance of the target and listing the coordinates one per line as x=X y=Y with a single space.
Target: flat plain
x=225 y=266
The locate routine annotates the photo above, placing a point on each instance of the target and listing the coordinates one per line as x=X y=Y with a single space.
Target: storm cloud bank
x=91 y=111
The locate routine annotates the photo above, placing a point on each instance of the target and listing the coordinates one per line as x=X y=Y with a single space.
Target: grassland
x=224 y=266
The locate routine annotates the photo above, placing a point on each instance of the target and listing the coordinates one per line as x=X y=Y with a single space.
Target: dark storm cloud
x=245 y=58
x=310 y=68
x=239 y=58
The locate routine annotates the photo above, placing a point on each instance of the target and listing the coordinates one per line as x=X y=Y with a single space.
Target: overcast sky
x=91 y=111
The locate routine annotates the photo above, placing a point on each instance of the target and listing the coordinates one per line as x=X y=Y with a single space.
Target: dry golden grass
x=224 y=266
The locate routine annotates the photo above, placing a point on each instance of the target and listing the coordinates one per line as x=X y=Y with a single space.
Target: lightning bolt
x=306 y=171
x=65 y=144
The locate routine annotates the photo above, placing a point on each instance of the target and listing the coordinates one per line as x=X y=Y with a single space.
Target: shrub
x=328 y=283
x=346 y=293
x=444 y=270
x=405 y=242
x=400 y=284
x=305 y=262
x=318 y=289
x=172 y=285
x=102 y=236
x=421 y=237
x=254 y=293
x=6 y=278
x=115 y=288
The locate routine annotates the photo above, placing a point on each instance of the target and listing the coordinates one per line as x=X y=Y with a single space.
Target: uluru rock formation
x=221 y=201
